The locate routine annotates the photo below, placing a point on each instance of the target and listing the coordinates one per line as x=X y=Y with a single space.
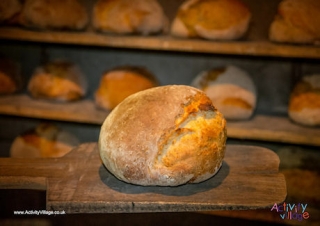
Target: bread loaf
x=297 y=21
x=9 y=9
x=129 y=16
x=231 y=90
x=120 y=82
x=304 y=102
x=165 y=136
x=211 y=19
x=44 y=141
x=54 y=14
x=10 y=77
x=58 y=80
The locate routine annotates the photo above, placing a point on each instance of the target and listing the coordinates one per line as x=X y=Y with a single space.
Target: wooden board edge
x=143 y=207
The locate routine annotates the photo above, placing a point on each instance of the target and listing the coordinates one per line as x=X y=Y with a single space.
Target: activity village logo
x=292 y=211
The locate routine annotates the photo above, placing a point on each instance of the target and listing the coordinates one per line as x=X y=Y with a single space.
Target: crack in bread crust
x=191 y=148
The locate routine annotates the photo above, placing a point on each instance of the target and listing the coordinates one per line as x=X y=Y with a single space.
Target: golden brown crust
x=231 y=90
x=237 y=102
x=167 y=136
x=304 y=102
x=8 y=10
x=129 y=16
x=44 y=141
x=54 y=14
x=212 y=19
x=58 y=80
x=10 y=78
x=296 y=22
x=120 y=82
x=304 y=95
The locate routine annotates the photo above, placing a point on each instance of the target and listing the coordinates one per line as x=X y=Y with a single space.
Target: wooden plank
x=249 y=171
x=32 y=183
x=273 y=128
x=248 y=179
x=163 y=43
x=84 y=111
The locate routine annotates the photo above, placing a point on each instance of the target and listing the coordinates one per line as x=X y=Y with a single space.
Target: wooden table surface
x=79 y=183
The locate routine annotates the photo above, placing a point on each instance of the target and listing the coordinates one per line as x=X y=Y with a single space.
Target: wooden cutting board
x=79 y=183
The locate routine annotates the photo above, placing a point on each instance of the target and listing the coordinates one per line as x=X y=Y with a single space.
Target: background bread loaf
x=304 y=103
x=44 y=141
x=129 y=16
x=166 y=136
x=10 y=76
x=120 y=82
x=211 y=19
x=297 y=21
x=58 y=80
x=231 y=90
x=9 y=9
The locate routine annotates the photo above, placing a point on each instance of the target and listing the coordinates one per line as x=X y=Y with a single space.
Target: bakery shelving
x=256 y=43
x=260 y=127
x=83 y=111
x=163 y=43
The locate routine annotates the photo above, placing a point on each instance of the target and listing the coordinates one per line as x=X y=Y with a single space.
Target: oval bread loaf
x=211 y=19
x=304 y=103
x=58 y=80
x=297 y=21
x=231 y=90
x=10 y=76
x=54 y=14
x=165 y=136
x=120 y=82
x=44 y=141
x=129 y=16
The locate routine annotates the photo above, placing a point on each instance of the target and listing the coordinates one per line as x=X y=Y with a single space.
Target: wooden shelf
x=260 y=127
x=274 y=128
x=163 y=43
x=83 y=111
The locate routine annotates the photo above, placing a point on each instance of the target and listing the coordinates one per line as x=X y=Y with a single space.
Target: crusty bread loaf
x=10 y=77
x=211 y=19
x=120 y=82
x=231 y=90
x=9 y=9
x=54 y=14
x=59 y=80
x=165 y=136
x=129 y=16
x=297 y=21
x=304 y=103
x=44 y=141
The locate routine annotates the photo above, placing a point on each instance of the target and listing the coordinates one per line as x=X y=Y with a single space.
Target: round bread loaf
x=10 y=77
x=297 y=21
x=211 y=19
x=44 y=141
x=129 y=16
x=54 y=14
x=58 y=80
x=120 y=82
x=165 y=136
x=231 y=90
x=9 y=9
x=304 y=103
